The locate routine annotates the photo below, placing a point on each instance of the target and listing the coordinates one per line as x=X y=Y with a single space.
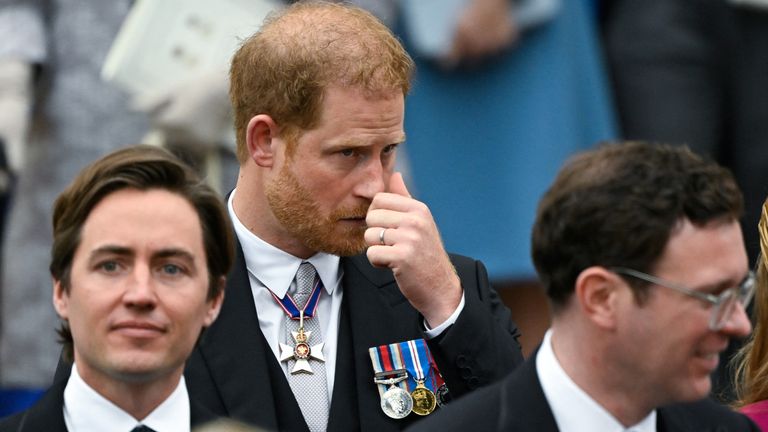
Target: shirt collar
x=574 y=410
x=276 y=268
x=85 y=410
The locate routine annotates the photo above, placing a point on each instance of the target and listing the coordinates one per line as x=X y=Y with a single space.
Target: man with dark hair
x=318 y=97
x=140 y=252
x=642 y=256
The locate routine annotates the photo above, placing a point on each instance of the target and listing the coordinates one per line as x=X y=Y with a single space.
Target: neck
x=253 y=210
x=136 y=396
x=585 y=356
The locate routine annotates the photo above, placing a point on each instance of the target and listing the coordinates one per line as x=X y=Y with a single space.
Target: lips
x=709 y=360
x=139 y=328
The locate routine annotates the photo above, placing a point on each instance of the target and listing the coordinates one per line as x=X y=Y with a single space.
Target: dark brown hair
x=138 y=167
x=617 y=205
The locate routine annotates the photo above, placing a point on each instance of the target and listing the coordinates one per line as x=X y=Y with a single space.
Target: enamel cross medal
x=302 y=351
x=302 y=307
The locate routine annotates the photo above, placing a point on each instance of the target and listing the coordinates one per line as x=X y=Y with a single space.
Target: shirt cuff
x=437 y=331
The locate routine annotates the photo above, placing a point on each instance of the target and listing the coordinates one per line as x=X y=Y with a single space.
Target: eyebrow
x=125 y=251
x=716 y=288
x=111 y=249
x=174 y=252
x=355 y=143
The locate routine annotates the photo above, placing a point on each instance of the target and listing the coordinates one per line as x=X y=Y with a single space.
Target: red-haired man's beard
x=300 y=215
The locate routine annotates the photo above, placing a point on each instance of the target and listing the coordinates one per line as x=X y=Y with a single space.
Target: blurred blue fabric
x=485 y=142
x=15 y=400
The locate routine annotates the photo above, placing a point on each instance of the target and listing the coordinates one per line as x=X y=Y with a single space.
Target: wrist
x=444 y=303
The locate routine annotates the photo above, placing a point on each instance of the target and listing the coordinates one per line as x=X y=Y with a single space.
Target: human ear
x=598 y=296
x=60 y=300
x=214 y=305
x=260 y=138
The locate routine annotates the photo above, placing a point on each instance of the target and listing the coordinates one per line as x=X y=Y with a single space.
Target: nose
x=737 y=324
x=140 y=290
x=373 y=180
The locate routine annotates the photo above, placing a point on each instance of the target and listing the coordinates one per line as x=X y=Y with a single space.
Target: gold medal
x=423 y=399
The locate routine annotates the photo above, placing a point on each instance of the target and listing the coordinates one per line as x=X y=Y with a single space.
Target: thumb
x=397 y=185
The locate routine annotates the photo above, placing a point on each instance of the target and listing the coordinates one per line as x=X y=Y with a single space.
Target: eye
x=347 y=152
x=108 y=266
x=171 y=269
x=389 y=149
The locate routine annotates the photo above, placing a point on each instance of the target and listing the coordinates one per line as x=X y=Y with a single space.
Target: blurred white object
x=162 y=43
x=195 y=110
x=757 y=4
x=431 y=24
x=15 y=106
x=172 y=57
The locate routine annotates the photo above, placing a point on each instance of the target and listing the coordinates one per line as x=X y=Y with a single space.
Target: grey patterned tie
x=310 y=389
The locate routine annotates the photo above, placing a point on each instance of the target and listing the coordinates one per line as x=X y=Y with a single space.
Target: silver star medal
x=302 y=352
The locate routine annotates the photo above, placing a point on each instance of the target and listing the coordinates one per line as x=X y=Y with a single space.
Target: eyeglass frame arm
x=711 y=298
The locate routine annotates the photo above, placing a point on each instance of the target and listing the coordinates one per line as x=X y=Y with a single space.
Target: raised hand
x=402 y=236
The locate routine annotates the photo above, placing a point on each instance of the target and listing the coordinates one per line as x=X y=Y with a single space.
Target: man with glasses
x=640 y=250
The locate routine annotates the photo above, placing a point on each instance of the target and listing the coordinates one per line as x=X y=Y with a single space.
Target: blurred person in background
x=751 y=362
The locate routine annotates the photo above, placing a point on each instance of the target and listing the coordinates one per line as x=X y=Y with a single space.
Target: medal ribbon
x=417 y=362
x=436 y=376
x=388 y=358
x=292 y=310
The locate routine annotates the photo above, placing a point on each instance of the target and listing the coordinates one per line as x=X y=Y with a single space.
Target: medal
x=442 y=395
x=423 y=398
x=395 y=402
x=412 y=377
x=302 y=352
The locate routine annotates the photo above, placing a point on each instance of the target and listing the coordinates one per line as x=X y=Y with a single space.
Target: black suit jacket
x=235 y=374
x=518 y=404
x=47 y=414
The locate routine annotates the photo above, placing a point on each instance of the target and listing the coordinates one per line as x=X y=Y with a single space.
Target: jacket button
x=472 y=383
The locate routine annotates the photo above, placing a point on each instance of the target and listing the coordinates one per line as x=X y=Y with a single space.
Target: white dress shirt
x=272 y=270
x=85 y=410
x=574 y=410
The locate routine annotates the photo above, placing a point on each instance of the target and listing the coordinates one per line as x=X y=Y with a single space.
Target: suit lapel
x=344 y=414
x=525 y=410
x=672 y=419
x=378 y=314
x=47 y=414
x=238 y=354
x=199 y=414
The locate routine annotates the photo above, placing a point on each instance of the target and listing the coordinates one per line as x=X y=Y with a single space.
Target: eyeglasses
x=723 y=304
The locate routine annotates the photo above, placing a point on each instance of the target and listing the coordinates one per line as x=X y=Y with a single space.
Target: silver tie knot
x=305 y=281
